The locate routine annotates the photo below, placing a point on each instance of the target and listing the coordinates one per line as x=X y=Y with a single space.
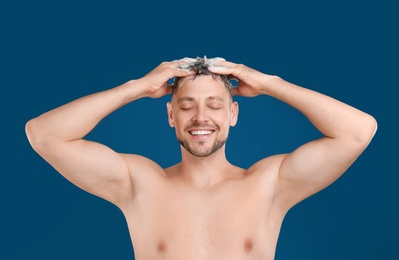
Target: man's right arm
x=57 y=136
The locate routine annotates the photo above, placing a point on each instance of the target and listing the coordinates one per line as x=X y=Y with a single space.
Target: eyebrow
x=182 y=99
x=190 y=99
x=216 y=98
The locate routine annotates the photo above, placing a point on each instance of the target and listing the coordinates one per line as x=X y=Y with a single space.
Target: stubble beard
x=202 y=152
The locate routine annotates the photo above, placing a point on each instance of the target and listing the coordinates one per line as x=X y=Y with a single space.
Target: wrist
x=269 y=83
x=131 y=91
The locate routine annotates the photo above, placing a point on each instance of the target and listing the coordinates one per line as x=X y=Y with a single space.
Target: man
x=203 y=207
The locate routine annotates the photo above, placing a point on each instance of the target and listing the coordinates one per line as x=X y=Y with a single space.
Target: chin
x=203 y=151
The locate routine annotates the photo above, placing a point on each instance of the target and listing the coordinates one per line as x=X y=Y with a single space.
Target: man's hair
x=201 y=65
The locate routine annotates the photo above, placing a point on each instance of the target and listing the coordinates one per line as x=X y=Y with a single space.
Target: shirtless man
x=203 y=207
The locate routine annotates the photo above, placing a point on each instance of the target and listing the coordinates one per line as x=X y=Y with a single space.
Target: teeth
x=201 y=132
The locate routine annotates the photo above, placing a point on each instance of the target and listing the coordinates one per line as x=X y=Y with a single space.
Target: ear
x=234 y=114
x=170 y=114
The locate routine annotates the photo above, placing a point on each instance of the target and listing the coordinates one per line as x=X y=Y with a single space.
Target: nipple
x=248 y=245
x=161 y=247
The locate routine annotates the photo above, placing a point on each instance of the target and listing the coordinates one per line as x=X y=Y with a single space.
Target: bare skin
x=204 y=207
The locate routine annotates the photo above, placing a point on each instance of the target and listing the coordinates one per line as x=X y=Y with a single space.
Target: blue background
x=53 y=52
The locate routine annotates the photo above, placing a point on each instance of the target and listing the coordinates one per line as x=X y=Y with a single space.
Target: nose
x=200 y=115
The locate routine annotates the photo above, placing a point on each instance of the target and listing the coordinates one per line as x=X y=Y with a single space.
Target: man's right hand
x=155 y=83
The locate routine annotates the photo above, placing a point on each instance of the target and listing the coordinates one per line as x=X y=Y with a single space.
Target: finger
x=220 y=70
x=179 y=69
x=211 y=62
x=179 y=72
x=184 y=64
x=220 y=62
x=221 y=66
x=184 y=61
x=233 y=71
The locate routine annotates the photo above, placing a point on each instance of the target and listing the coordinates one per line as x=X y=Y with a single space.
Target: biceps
x=91 y=166
x=314 y=166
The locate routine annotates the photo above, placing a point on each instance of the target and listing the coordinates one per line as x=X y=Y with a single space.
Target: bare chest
x=205 y=224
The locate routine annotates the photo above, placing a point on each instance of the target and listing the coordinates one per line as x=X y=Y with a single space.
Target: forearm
x=330 y=116
x=76 y=119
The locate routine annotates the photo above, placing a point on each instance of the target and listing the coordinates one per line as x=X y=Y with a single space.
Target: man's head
x=202 y=110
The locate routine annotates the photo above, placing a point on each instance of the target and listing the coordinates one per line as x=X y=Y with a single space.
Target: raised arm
x=58 y=135
x=313 y=166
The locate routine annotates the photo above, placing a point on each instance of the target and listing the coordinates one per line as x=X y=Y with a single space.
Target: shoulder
x=141 y=167
x=265 y=173
x=267 y=165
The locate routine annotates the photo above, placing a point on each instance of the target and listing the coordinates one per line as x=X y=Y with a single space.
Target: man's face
x=202 y=112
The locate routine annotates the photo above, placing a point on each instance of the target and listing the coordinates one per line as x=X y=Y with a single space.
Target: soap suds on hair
x=201 y=65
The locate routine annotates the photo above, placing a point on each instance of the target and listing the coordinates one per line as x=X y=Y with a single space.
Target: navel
x=161 y=246
x=248 y=245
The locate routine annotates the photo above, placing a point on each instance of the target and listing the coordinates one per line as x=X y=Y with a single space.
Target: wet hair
x=201 y=65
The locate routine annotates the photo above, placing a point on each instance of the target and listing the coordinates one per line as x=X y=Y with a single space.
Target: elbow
x=367 y=130
x=35 y=134
x=372 y=126
x=31 y=132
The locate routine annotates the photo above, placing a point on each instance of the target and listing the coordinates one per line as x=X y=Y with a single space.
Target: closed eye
x=186 y=105
x=186 y=108
x=215 y=107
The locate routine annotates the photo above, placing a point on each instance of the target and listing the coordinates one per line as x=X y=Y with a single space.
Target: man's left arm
x=315 y=165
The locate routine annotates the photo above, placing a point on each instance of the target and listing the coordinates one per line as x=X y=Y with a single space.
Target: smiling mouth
x=201 y=132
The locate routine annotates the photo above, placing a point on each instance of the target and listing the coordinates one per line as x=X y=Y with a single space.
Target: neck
x=205 y=171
